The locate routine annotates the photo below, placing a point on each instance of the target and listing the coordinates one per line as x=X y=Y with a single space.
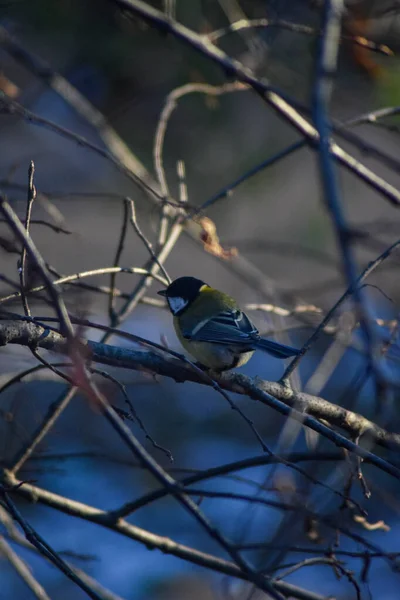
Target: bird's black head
x=181 y=292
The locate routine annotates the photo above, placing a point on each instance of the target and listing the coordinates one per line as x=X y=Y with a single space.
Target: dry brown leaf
x=8 y=87
x=211 y=242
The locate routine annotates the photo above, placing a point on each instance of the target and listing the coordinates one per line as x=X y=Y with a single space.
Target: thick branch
x=300 y=406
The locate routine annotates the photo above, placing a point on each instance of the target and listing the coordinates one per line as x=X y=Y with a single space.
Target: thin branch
x=227 y=190
x=327 y=551
x=55 y=410
x=170 y=105
x=27 y=372
x=132 y=411
x=118 y=254
x=241 y=24
x=23 y=570
x=53 y=226
x=22 y=267
x=145 y=241
x=374 y=116
x=328 y=561
x=367 y=148
x=77 y=276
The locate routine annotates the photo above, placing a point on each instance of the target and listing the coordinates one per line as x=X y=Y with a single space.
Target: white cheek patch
x=176 y=304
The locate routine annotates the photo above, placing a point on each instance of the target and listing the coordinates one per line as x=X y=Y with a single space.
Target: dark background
x=276 y=220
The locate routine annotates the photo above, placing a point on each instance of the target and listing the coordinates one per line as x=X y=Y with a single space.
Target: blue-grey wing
x=228 y=327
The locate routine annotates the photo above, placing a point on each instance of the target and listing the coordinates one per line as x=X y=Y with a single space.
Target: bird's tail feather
x=276 y=349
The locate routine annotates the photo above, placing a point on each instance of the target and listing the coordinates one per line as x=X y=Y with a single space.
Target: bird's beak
x=162 y=293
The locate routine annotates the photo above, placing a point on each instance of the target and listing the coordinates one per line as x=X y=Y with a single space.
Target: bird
x=213 y=329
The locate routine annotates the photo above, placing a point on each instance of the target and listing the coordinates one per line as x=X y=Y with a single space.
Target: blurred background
x=277 y=222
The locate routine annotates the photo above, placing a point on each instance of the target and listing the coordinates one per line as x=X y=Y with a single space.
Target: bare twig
x=22 y=267
x=23 y=570
x=118 y=254
x=374 y=116
x=328 y=561
x=145 y=241
x=169 y=106
x=241 y=24
x=27 y=372
x=77 y=276
x=53 y=226
x=227 y=190
x=132 y=411
x=55 y=410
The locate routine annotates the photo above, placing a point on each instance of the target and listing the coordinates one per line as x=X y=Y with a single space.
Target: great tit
x=212 y=328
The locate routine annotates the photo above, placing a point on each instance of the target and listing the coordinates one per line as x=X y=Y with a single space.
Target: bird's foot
x=285 y=381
